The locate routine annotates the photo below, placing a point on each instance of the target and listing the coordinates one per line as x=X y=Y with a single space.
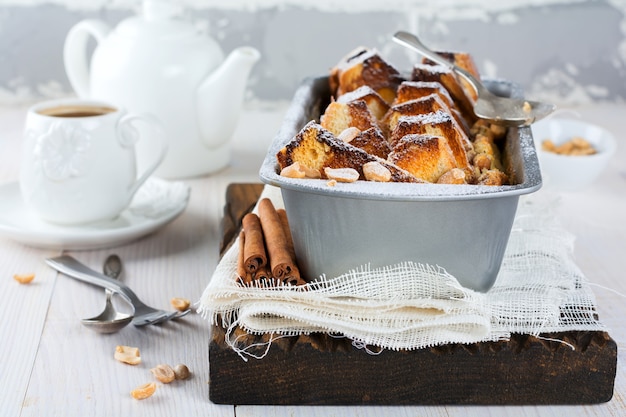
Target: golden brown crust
x=373 y=142
x=375 y=103
x=339 y=116
x=446 y=77
x=464 y=61
x=365 y=67
x=411 y=90
x=425 y=156
x=317 y=148
x=437 y=124
x=427 y=104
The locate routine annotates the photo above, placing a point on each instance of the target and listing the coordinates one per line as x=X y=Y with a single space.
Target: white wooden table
x=51 y=365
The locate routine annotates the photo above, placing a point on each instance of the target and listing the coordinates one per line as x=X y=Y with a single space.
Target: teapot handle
x=75 y=52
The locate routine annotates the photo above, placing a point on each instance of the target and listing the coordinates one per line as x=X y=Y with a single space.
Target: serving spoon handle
x=501 y=110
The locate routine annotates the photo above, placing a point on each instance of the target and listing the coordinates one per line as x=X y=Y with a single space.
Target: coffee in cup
x=76 y=110
x=79 y=161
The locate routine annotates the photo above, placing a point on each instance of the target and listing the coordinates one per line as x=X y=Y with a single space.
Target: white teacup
x=78 y=160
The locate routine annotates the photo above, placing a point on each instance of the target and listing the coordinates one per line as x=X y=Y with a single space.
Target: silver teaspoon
x=500 y=110
x=110 y=320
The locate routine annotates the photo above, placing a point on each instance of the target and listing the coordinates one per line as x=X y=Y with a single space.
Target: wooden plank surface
x=74 y=373
x=319 y=369
x=52 y=366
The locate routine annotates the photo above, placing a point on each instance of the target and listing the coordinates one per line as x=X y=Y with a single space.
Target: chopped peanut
x=143 y=391
x=348 y=134
x=181 y=371
x=164 y=373
x=454 y=176
x=24 y=278
x=293 y=171
x=527 y=107
x=298 y=170
x=574 y=146
x=311 y=172
x=331 y=183
x=342 y=174
x=375 y=171
x=127 y=354
x=180 y=304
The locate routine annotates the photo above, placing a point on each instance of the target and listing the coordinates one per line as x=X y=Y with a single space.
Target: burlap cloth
x=409 y=306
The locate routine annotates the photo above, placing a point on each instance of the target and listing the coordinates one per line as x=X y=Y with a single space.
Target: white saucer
x=157 y=203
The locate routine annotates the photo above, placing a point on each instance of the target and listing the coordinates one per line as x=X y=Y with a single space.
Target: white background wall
x=559 y=50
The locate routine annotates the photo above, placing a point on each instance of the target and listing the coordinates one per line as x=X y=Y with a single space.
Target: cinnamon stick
x=282 y=215
x=254 y=254
x=282 y=263
x=262 y=275
x=244 y=276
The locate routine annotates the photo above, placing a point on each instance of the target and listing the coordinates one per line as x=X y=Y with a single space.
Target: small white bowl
x=571 y=173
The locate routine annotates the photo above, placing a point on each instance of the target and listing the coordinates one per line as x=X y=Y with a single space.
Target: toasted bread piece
x=445 y=76
x=373 y=142
x=317 y=148
x=361 y=67
x=339 y=116
x=437 y=124
x=427 y=157
x=375 y=103
x=464 y=61
x=422 y=105
x=411 y=90
x=335 y=73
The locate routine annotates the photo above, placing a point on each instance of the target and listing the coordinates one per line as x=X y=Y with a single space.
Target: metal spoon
x=499 y=110
x=110 y=320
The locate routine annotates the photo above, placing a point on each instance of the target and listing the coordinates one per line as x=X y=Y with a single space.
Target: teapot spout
x=220 y=96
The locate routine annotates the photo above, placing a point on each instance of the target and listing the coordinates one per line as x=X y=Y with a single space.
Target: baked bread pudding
x=380 y=126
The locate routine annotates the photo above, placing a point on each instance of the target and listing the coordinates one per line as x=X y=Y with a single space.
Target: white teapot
x=164 y=66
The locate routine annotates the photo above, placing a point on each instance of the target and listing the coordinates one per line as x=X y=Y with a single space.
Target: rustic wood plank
x=24 y=310
x=319 y=369
x=74 y=372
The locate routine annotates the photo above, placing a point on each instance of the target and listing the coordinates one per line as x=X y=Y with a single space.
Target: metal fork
x=144 y=314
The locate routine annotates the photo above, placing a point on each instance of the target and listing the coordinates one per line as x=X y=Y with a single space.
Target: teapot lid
x=158 y=21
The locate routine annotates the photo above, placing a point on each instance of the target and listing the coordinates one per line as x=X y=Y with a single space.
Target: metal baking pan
x=462 y=228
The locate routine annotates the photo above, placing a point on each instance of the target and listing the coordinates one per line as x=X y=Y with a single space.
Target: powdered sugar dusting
x=306 y=106
x=434 y=118
x=356 y=94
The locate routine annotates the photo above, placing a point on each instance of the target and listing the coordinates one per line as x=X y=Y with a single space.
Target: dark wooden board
x=240 y=200
x=319 y=369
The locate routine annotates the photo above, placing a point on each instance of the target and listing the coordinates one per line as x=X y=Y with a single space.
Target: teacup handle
x=128 y=136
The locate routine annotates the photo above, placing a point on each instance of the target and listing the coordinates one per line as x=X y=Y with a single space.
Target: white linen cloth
x=410 y=306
